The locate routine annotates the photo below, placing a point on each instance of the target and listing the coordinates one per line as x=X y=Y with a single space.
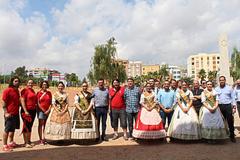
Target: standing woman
x=84 y=125
x=28 y=101
x=44 y=98
x=59 y=125
x=149 y=124
x=184 y=124
x=210 y=117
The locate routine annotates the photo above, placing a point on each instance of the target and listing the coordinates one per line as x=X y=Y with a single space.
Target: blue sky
x=61 y=34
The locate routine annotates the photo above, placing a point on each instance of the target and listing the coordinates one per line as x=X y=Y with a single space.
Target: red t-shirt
x=44 y=100
x=30 y=98
x=11 y=98
x=117 y=102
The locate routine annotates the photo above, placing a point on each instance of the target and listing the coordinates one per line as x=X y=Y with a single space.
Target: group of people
x=153 y=112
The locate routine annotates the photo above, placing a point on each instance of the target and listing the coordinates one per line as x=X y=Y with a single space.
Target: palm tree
x=202 y=74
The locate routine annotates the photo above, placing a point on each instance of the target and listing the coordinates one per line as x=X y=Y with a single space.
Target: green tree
x=235 y=64
x=72 y=79
x=202 y=74
x=21 y=72
x=163 y=72
x=104 y=65
x=189 y=80
x=212 y=75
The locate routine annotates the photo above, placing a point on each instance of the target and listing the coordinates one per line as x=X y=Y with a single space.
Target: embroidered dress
x=184 y=126
x=83 y=125
x=58 y=127
x=149 y=123
x=212 y=124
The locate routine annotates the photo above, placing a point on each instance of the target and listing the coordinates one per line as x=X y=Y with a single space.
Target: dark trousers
x=226 y=110
x=238 y=108
x=101 y=114
x=165 y=116
x=130 y=118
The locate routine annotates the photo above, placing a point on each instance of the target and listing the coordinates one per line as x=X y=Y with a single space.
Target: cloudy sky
x=61 y=34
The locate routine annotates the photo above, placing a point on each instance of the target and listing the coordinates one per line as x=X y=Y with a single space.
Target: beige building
x=206 y=61
x=150 y=68
x=125 y=63
x=134 y=68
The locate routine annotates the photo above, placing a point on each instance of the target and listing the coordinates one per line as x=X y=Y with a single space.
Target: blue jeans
x=130 y=118
x=101 y=113
x=165 y=116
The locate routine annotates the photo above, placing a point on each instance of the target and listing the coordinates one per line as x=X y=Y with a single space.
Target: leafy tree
x=202 y=74
x=235 y=64
x=189 y=80
x=21 y=72
x=104 y=65
x=163 y=72
x=212 y=75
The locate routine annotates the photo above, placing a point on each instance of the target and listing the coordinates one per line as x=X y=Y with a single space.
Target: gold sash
x=184 y=97
x=210 y=98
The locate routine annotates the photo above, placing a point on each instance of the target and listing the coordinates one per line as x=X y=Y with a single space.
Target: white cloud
x=152 y=31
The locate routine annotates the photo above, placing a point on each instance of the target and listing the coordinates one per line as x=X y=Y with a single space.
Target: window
x=192 y=63
x=218 y=57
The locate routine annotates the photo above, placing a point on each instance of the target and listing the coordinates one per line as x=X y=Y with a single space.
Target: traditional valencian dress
x=58 y=127
x=83 y=125
x=149 y=123
x=184 y=126
x=212 y=124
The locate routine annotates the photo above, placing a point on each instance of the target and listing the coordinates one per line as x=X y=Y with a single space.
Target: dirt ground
x=120 y=149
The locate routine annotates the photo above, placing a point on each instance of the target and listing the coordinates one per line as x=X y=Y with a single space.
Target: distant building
x=175 y=72
x=134 y=68
x=125 y=63
x=206 y=61
x=46 y=74
x=150 y=68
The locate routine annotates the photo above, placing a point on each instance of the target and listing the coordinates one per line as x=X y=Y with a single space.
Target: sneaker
x=115 y=137
x=6 y=148
x=12 y=144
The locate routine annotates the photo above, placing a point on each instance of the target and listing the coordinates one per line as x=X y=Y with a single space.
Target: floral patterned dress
x=59 y=126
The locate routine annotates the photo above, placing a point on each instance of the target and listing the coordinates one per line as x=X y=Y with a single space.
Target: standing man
x=166 y=99
x=152 y=83
x=11 y=103
x=237 y=91
x=227 y=104
x=118 y=108
x=157 y=87
x=132 y=98
x=197 y=91
x=173 y=85
x=101 y=102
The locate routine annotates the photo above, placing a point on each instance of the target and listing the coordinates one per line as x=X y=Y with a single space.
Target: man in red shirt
x=11 y=104
x=118 y=108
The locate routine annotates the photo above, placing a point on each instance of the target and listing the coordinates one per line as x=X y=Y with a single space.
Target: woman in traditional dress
x=184 y=124
x=210 y=117
x=44 y=98
x=83 y=120
x=59 y=124
x=149 y=123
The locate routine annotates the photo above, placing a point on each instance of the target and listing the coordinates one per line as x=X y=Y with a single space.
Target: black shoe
x=104 y=138
x=233 y=139
x=97 y=139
